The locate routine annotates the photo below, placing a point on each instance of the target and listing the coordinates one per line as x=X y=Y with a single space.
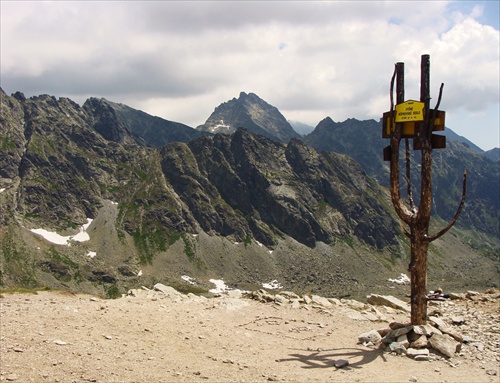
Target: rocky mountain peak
x=106 y=122
x=250 y=112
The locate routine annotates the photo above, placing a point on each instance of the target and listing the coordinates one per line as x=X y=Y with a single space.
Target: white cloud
x=180 y=60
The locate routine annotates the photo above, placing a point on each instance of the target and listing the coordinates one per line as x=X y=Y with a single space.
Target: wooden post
x=417 y=218
x=419 y=240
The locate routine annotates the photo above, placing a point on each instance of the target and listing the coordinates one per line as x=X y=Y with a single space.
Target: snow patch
x=2 y=189
x=188 y=279
x=91 y=254
x=58 y=239
x=220 y=125
x=273 y=285
x=220 y=286
x=402 y=280
x=139 y=273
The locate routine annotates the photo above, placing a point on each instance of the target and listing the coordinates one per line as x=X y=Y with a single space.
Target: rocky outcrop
x=362 y=140
x=104 y=120
x=387 y=300
x=452 y=329
x=250 y=112
x=244 y=184
x=155 y=131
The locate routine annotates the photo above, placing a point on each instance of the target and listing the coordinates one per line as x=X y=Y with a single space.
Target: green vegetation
x=321 y=207
x=149 y=243
x=63 y=268
x=271 y=176
x=113 y=292
x=188 y=248
x=23 y=290
x=52 y=253
x=6 y=144
x=190 y=251
x=31 y=215
x=349 y=241
x=186 y=288
x=247 y=241
x=18 y=263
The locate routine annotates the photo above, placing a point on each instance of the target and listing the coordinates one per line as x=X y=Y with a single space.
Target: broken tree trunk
x=417 y=218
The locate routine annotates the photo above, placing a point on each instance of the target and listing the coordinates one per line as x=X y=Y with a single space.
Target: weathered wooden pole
x=416 y=218
x=420 y=239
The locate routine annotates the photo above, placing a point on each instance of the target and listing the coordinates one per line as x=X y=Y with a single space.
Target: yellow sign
x=410 y=129
x=410 y=111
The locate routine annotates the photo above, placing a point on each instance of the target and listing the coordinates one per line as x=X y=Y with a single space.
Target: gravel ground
x=149 y=336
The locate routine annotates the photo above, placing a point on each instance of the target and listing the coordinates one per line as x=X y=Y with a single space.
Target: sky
x=179 y=60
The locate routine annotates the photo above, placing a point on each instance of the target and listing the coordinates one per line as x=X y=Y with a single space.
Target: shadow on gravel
x=346 y=358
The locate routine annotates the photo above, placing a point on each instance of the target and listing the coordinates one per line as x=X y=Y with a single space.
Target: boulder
x=425 y=330
x=316 y=299
x=261 y=296
x=289 y=294
x=401 y=331
x=341 y=363
x=397 y=347
x=396 y=325
x=170 y=292
x=280 y=299
x=457 y=320
x=420 y=342
x=384 y=331
x=371 y=336
x=412 y=352
x=455 y=296
x=454 y=334
x=403 y=339
x=438 y=322
x=387 y=300
x=445 y=329
x=445 y=344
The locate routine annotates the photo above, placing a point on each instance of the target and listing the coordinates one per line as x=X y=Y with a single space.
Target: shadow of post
x=326 y=358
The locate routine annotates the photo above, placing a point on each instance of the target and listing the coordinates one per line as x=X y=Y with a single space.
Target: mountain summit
x=252 y=113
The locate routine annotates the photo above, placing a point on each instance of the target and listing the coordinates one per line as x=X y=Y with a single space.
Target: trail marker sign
x=409 y=129
x=410 y=111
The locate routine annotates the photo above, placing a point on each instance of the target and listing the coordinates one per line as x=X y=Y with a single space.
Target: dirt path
x=153 y=337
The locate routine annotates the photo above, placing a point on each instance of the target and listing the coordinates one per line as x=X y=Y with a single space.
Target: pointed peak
x=326 y=121
x=249 y=96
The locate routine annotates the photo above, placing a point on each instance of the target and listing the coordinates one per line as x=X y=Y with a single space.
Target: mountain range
x=242 y=197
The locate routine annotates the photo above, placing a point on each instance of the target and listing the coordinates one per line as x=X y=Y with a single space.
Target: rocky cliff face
x=155 y=131
x=244 y=184
x=64 y=158
x=252 y=113
x=362 y=141
x=241 y=206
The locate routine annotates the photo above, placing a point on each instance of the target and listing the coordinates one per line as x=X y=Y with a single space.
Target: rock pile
x=353 y=309
x=453 y=330
x=463 y=327
x=414 y=341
